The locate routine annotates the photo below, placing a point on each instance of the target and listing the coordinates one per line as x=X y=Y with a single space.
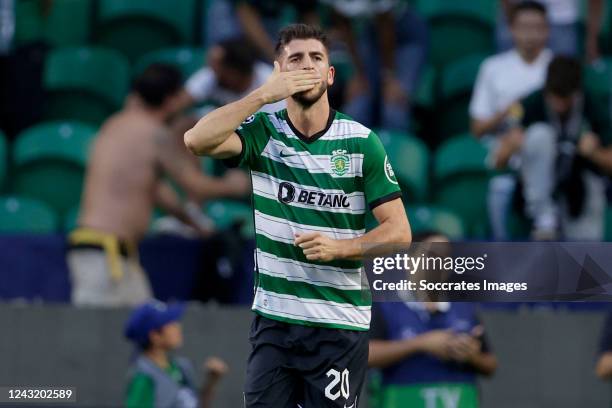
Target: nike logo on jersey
x=287 y=153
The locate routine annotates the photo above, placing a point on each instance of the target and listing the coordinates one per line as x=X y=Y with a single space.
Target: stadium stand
x=456 y=81
x=428 y=218
x=141 y=26
x=3 y=160
x=410 y=159
x=59 y=23
x=49 y=161
x=25 y=215
x=470 y=24
x=227 y=213
x=187 y=59
x=461 y=181
x=85 y=83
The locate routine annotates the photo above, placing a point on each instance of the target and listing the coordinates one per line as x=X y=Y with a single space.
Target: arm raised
x=214 y=135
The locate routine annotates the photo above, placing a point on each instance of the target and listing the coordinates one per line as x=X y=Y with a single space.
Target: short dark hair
x=300 y=32
x=527 y=6
x=156 y=83
x=238 y=54
x=564 y=76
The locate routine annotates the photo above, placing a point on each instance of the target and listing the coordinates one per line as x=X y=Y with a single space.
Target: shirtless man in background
x=132 y=152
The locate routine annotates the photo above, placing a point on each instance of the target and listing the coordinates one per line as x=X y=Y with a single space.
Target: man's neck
x=528 y=57
x=159 y=357
x=135 y=105
x=311 y=120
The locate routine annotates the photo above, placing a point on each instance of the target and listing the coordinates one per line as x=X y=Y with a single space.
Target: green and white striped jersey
x=323 y=183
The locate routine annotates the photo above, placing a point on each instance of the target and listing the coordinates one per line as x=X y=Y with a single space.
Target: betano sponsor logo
x=288 y=193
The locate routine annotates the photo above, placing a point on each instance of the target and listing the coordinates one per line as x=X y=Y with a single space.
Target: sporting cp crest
x=340 y=162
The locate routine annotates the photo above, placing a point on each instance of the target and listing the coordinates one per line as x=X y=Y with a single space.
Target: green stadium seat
x=598 y=78
x=459 y=28
x=70 y=219
x=60 y=23
x=455 y=91
x=461 y=182
x=225 y=213
x=3 y=159
x=425 y=218
x=49 y=161
x=86 y=84
x=410 y=160
x=608 y=231
x=342 y=62
x=187 y=59
x=424 y=95
x=25 y=215
x=137 y=27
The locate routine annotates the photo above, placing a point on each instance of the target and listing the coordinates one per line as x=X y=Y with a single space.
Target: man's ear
x=331 y=75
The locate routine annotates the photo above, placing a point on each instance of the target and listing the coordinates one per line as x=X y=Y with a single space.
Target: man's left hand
x=318 y=247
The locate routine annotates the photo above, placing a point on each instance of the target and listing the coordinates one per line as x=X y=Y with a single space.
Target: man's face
x=529 y=31
x=561 y=105
x=308 y=54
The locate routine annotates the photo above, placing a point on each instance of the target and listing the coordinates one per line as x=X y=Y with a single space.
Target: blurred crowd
x=432 y=71
x=522 y=88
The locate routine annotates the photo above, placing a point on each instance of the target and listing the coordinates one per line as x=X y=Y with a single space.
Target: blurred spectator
x=564 y=18
x=132 y=152
x=386 y=70
x=157 y=378
x=7 y=25
x=388 y=57
x=502 y=80
x=257 y=20
x=233 y=72
x=564 y=142
x=604 y=363
x=429 y=352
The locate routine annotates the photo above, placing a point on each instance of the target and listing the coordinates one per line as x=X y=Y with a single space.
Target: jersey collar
x=311 y=139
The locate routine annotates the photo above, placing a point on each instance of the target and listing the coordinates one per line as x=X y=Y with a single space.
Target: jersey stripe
x=314 y=310
x=267 y=186
x=320 y=163
x=304 y=186
x=340 y=129
x=282 y=230
x=320 y=275
x=294 y=252
x=309 y=216
x=309 y=291
x=304 y=177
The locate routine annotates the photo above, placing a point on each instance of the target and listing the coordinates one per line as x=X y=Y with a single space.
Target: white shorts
x=92 y=284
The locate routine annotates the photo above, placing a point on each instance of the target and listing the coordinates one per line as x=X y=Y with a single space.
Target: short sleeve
x=251 y=132
x=482 y=102
x=380 y=184
x=140 y=392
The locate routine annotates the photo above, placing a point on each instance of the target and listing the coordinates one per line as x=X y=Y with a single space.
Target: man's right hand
x=282 y=84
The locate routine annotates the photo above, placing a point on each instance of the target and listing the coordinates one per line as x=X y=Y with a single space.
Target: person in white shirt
x=502 y=80
x=564 y=20
x=232 y=72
